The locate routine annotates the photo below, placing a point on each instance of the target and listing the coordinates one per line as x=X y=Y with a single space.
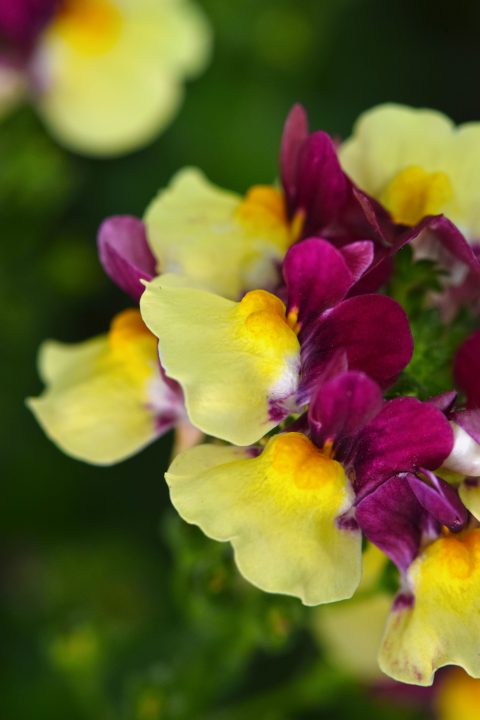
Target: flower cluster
x=105 y=75
x=276 y=339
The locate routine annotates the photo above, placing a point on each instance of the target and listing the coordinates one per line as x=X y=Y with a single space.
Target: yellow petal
x=457 y=697
x=219 y=241
x=391 y=137
x=234 y=361
x=103 y=396
x=443 y=625
x=352 y=632
x=279 y=511
x=417 y=163
x=114 y=70
x=469 y=491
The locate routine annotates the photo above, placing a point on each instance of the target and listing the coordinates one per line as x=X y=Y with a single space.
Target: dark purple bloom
x=389 y=450
x=369 y=333
x=125 y=254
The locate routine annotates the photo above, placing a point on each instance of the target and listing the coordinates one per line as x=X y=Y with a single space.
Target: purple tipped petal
x=359 y=257
x=391 y=518
x=343 y=406
x=439 y=499
x=405 y=436
x=466 y=371
x=372 y=330
x=295 y=134
x=124 y=253
x=317 y=277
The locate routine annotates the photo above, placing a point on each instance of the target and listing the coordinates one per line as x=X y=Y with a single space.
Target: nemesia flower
x=258 y=360
x=293 y=508
x=105 y=75
x=106 y=398
x=422 y=169
x=218 y=240
x=416 y=163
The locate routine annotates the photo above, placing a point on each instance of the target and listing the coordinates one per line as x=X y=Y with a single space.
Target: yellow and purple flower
x=106 y=76
x=259 y=359
x=106 y=398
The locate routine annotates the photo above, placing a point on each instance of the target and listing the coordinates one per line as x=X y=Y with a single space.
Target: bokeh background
x=111 y=607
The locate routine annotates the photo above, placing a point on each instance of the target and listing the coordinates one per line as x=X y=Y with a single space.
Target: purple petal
x=343 y=406
x=439 y=499
x=372 y=330
x=124 y=253
x=295 y=134
x=391 y=518
x=405 y=436
x=469 y=420
x=376 y=276
x=322 y=184
x=21 y=21
x=445 y=401
x=466 y=371
x=317 y=277
x=439 y=239
x=359 y=257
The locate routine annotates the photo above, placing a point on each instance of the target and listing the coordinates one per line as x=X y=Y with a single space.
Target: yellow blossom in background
x=107 y=76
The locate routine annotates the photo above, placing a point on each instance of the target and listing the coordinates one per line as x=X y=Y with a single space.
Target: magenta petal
x=124 y=253
x=359 y=257
x=317 y=277
x=322 y=184
x=391 y=518
x=466 y=367
x=294 y=135
x=372 y=330
x=441 y=240
x=445 y=401
x=21 y=21
x=343 y=406
x=405 y=436
x=439 y=499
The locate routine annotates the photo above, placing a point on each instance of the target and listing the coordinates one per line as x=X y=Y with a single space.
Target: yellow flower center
x=295 y=457
x=90 y=27
x=263 y=212
x=132 y=344
x=263 y=323
x=415 y=193
x=452 y=558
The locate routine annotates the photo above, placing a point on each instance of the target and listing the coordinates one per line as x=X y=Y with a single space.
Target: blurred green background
x=111 y=607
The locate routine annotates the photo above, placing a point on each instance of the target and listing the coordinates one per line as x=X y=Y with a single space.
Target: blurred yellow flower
x=107 y=75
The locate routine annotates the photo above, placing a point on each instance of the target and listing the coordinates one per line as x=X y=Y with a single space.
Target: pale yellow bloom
x=279 y=511
x=220 y=241
x=443 y=624
x=417 y=163
x=105 y=398
x=112 y=71
x=224 y=355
